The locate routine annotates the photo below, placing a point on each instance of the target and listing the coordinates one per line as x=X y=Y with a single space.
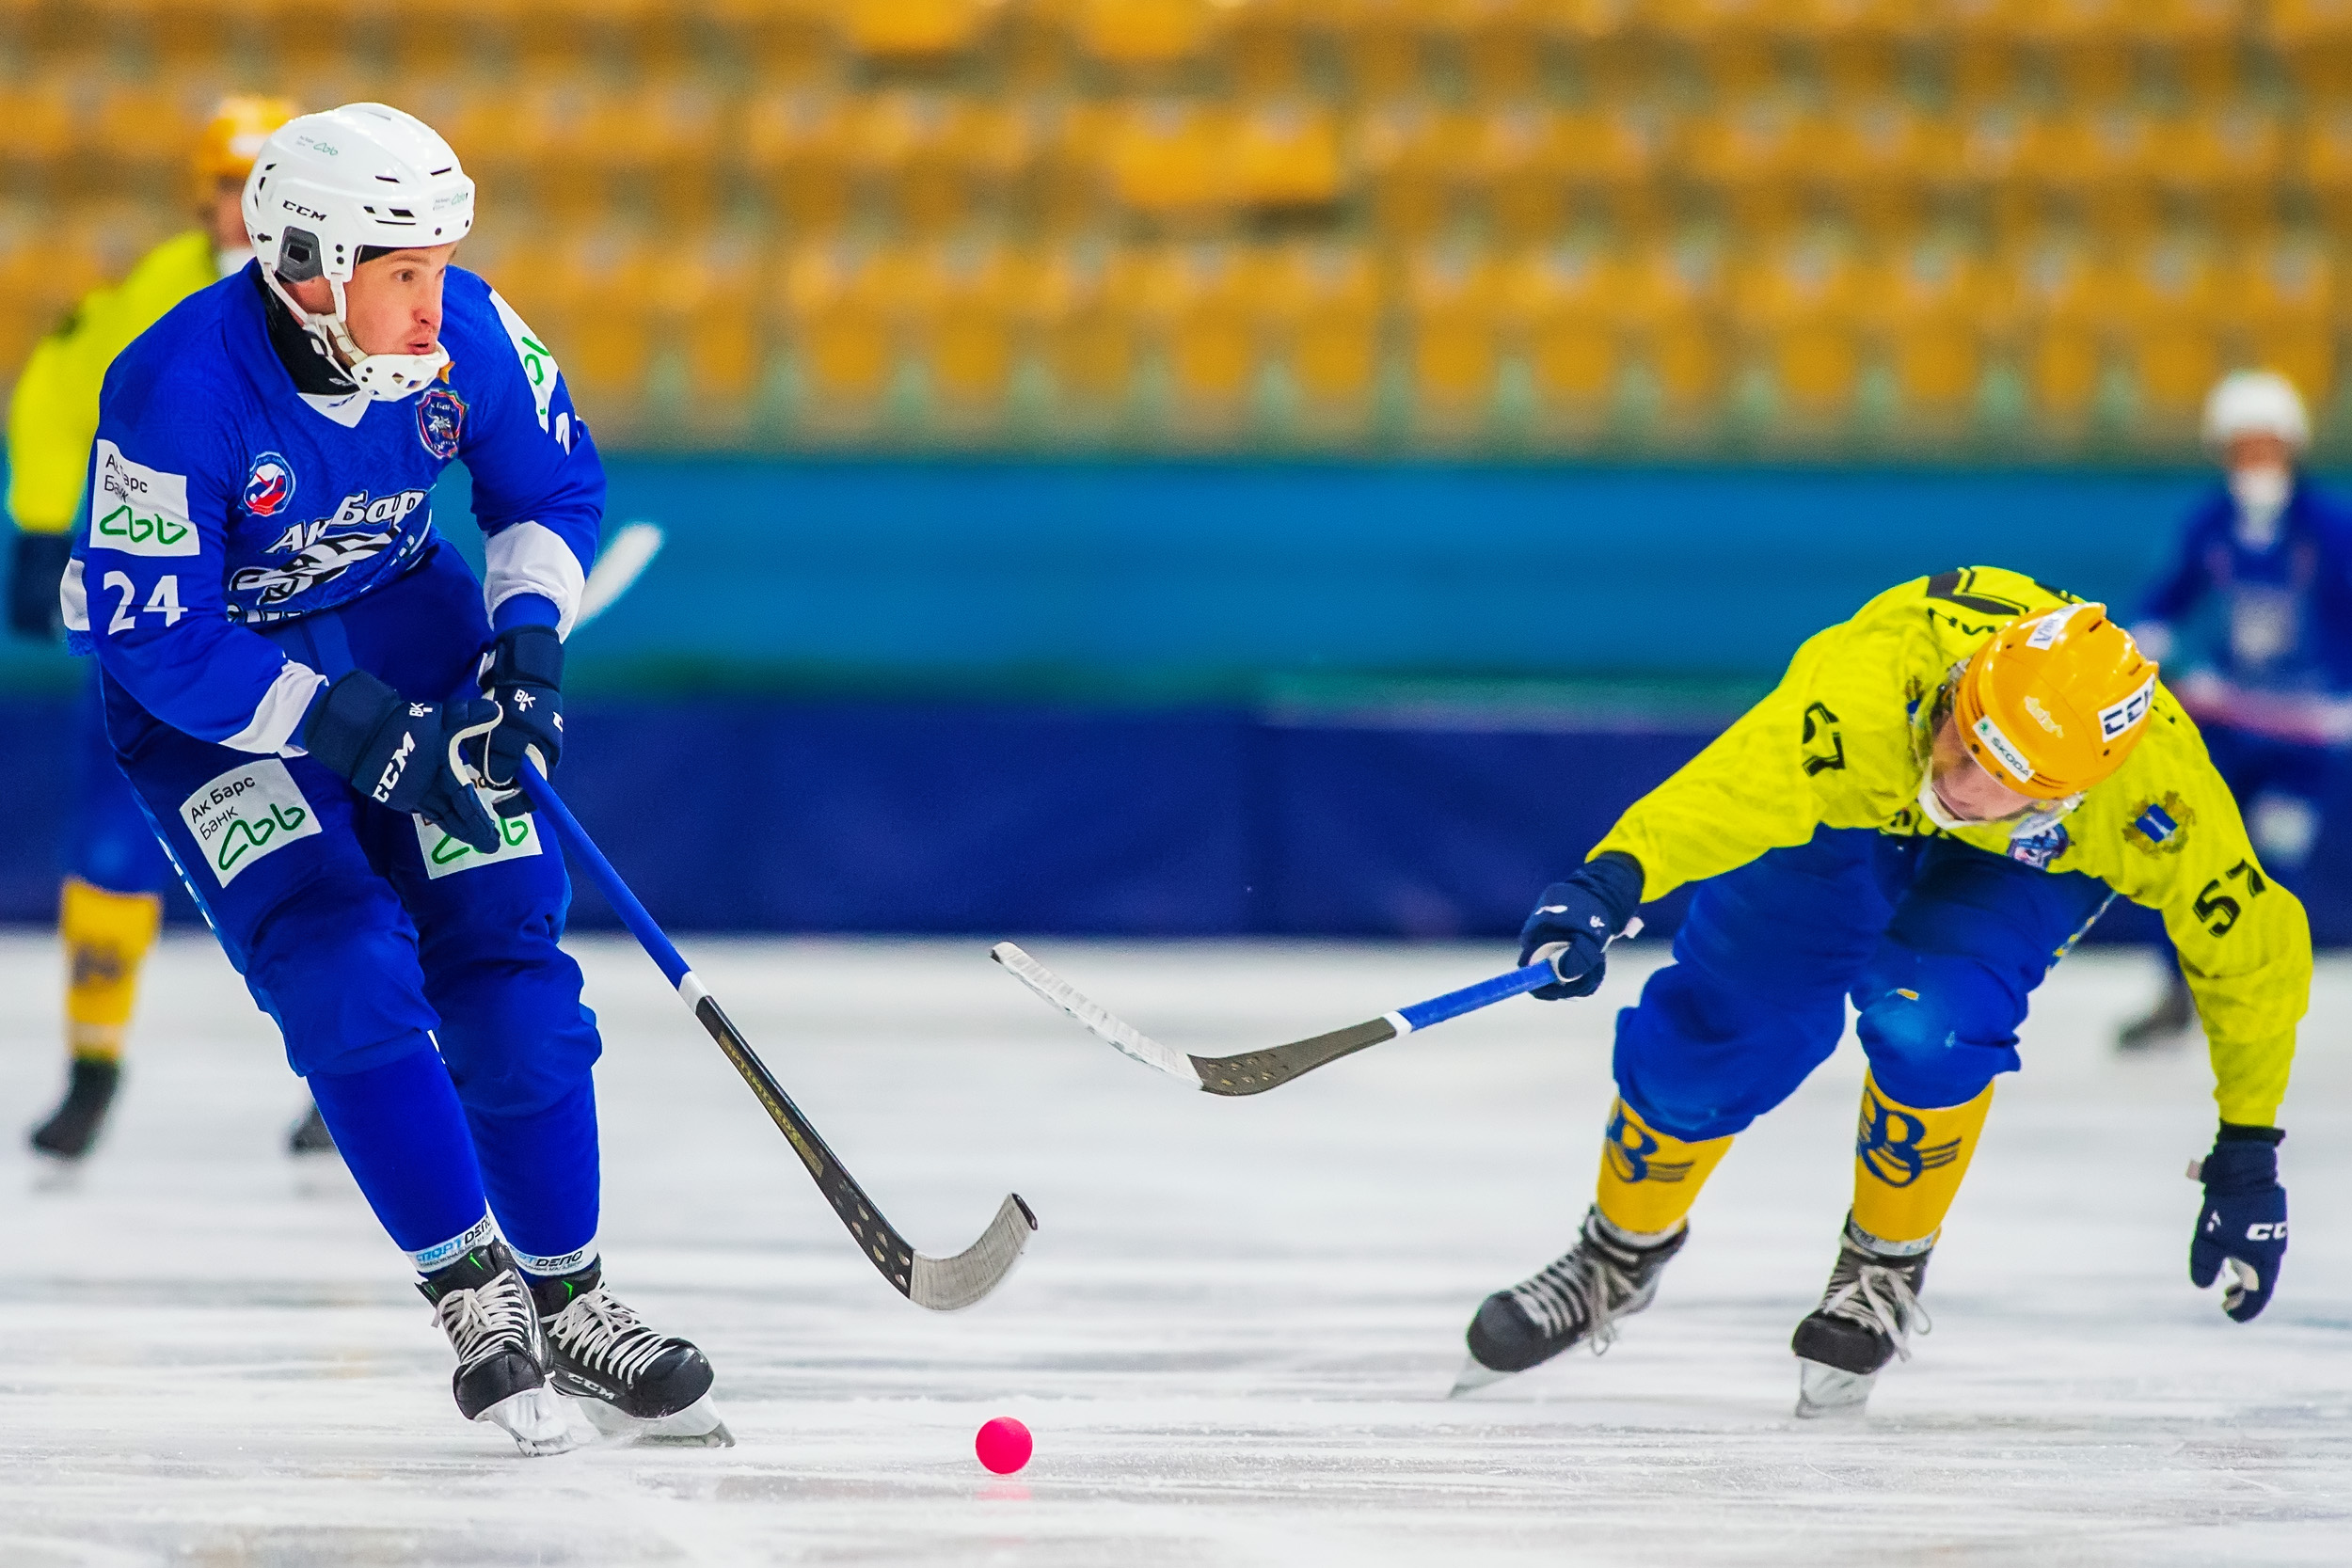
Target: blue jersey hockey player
x=295 y=672
x=2256 y=611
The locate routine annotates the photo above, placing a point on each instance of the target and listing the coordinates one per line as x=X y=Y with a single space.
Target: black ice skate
x=1865 y=1319
x=631 y=1381
x=484 y=1305
x=310 y=1135
x=1580 y=1298
x=73 y=1127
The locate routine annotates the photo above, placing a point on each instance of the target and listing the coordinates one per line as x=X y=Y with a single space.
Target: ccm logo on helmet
x=299 y=210
x=2114 y=720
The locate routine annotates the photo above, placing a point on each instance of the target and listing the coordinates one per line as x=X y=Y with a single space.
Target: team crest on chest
x=269 y=485
x=440 y=420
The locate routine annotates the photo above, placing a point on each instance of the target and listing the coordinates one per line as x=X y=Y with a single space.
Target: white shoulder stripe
x=280 y=713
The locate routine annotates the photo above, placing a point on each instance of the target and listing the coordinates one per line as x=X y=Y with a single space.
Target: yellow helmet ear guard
x=234 y=135
x=2055 y=701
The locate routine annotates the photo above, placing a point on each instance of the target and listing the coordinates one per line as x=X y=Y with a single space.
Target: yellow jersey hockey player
x=1935 y=804
x=115 y=870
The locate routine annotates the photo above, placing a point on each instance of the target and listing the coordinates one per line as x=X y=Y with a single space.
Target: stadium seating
x=1441 y=222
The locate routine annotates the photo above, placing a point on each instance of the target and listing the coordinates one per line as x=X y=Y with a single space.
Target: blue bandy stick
x=1256 y=1071
x=942 y=1284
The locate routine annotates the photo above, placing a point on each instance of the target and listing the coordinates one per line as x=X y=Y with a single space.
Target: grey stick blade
x=1098 y=1021
x=1256 y=1071
x=945 y=1284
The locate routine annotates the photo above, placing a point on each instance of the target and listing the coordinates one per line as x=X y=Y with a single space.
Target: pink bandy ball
x=1002 y=1445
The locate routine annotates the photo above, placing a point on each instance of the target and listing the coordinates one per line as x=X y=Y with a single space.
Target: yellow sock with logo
x=1908 y=1163
x=1648 y=1181
x=106 y=937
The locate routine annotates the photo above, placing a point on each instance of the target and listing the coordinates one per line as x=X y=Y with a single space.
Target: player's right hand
x=38 y=561
x=2244 y=1220
x=408 y=755
x=1575 y=921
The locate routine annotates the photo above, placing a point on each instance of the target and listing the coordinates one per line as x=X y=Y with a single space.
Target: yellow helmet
x=2055 y=700
x=227 y=149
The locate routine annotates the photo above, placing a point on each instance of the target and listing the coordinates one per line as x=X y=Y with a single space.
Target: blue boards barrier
x=1017 y=819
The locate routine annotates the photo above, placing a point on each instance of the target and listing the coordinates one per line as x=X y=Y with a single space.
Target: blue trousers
x=1939 y=944
x=377 y=942
x=109 y=843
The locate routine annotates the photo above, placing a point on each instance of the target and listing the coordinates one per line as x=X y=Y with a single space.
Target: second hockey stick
x=942 y=1284
x=1256 y=1071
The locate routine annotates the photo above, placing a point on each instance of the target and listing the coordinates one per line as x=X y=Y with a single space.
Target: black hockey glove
x=405 y=755
x=1573 y=923
x=39 y=561
x=2244 y=1221
x=525 y=678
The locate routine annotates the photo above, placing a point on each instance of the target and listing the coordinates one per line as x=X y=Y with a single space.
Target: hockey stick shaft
x=942 y=1284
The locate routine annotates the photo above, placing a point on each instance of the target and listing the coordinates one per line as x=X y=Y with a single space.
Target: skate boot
x=70 y=1131
x=310 y=1135
x=2163 y=1025
x=484 y=1305
x=632 y=1382
x=1865 y=1319
x=1580 y=1298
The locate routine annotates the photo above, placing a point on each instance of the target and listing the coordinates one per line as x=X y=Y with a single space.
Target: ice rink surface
x=1233 y=1333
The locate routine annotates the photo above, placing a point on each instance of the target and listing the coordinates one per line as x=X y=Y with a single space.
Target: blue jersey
x=223 y=498
x=2261 y=630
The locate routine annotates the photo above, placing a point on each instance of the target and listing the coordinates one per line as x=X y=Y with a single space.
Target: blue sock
x=540 y=1169
x=400 y=1131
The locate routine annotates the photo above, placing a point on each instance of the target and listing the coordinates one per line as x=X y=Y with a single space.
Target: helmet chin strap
x=380 y=377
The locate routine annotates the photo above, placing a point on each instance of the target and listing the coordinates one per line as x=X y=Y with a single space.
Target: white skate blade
x=539 y=1419
x=1474 y=1375
x=1826 y=1391
x=697 y=1426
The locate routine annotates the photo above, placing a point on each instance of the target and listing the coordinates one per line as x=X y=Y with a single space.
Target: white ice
x=1232 y=1333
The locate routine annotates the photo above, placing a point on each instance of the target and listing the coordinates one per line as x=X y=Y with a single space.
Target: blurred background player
x=116 y=872
x=2254 y=622
x=1940 y=798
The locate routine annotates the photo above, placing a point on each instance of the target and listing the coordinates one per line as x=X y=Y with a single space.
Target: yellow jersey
x=53 y=417
x=1843 y=742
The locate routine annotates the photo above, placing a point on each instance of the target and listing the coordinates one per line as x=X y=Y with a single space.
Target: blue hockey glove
x=1574 y=922
x=405 y=755
x=38 y=561
x=526 y=679
x=2244 y=1221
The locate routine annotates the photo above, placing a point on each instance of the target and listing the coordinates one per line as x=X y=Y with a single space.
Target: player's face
x=2258 y=450
x=1963 y=785
x=393 y=304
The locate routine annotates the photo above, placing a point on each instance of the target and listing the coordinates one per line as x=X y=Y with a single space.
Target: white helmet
x=2256 y=402
x=325 y=188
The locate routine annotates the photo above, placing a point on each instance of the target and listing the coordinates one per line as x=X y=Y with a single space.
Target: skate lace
x=1880 y=1298
x=479 y=1321
x=1580 y=1291
x=601 y=1331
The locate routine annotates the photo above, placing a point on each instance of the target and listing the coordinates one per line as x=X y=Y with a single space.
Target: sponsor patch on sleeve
x=446 y=855
x=539 y=366
x=245 y=813
x=138 y=510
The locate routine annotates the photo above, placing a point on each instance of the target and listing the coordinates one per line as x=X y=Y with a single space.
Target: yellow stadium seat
x=1383 y=45
x=1413 y=156
x=1285 y=156
x=1982 y=49
x=2197 y=46
x=1672 y=299
x=2285 y=301
x=965 y=313
x=2323 y=160
x=1752 y=161
x=797 y=150
x=1089 y=305
x=1874 y=163
x=1932 y=313
x=1211 y=336
x=1611 y=161
x=1859 y=45
x=1323 y=319
x=2100 y=166
x=1798 y=307
x=1167 y=160
x=711 y=296
x=1502 y=46
x=1266 y=45
x=604 y=294
x=2088 y=45
x=2226 y=166
x=1566 y=306
x=917 y=30
x=2172 y=333
x=40 y=128
x=1521 y=159
x=1146 y=36
x=2065 y=306
x=1730 y=42
x=786 y=43
x=839 y=315
x=146 y=130
x=1612 y=55
x=1454 y=319
x=2312 y=40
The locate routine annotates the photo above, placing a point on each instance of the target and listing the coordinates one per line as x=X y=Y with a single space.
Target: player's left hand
x=38 y=561
x=2244 y=1221
x=525 y=678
